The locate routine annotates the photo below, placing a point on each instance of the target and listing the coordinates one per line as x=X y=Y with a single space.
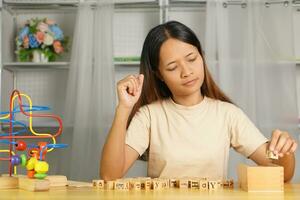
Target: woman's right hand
x=129 y=90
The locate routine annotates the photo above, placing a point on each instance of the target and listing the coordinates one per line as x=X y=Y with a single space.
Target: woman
x=175 y=109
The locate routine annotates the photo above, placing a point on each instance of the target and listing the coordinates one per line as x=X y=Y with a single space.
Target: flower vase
x=39 y=57
x=36 y=57
x=44 y=58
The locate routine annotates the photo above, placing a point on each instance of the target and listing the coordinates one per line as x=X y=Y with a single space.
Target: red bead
x=21 y=145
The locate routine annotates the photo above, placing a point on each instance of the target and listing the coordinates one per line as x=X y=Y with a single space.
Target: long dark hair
x=153 y=88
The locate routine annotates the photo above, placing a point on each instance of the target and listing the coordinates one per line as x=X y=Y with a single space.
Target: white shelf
x=41 y=1
x=30 y=65
x=188 y=1
x=130 y=63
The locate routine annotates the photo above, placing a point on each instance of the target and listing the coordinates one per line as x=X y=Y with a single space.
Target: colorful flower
x=33 y=43
x=43 y=27
x=58 y=47
x=50 y=21
x=40 y=36
x=58 y=34
x=23 y=33
x=26 y=42
x=48 y=39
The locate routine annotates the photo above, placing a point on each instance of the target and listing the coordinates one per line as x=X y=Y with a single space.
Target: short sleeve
x=138 y=132
x=245 y=138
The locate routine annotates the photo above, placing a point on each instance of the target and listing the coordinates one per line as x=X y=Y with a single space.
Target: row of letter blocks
x=147 y=183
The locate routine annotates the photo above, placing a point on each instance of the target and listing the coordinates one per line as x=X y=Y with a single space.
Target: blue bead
x=15 y=160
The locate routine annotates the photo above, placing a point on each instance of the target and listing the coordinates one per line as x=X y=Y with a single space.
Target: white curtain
x=250 y=54
x=90 y=98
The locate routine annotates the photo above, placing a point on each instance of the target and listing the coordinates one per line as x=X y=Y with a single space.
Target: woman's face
x=181 y=67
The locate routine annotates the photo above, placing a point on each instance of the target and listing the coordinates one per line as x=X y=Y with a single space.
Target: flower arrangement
x=43 y=36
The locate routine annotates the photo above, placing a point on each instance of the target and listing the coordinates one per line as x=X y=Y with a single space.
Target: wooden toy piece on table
x=228 y=183
x=182 y=183
x=79 y=184
x=203 y=184
x=98 y=184
x=8 y=182
x=261 y=178
x=121 y=184
x=135 y=184
x=33 y=184
x=146 y=183
x=57 y=181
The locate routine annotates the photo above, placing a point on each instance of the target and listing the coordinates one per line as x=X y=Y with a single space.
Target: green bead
x=23 y=160
x=40 y=176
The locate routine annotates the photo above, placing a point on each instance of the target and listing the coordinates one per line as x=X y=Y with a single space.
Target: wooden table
x=292 y=191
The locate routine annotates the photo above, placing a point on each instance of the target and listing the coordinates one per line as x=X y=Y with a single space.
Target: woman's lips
x=190 y=82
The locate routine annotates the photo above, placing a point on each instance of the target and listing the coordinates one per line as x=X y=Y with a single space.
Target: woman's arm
x=117 y=157
x=283 y=145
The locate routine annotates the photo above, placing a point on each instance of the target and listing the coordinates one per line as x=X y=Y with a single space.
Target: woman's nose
x=186 y=71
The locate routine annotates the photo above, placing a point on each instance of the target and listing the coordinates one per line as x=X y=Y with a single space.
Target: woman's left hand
x=282 y=143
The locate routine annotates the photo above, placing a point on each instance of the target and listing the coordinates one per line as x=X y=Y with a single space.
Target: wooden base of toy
x=33 y=184
x=7 y=182
x=260 y=178
x=25 y=183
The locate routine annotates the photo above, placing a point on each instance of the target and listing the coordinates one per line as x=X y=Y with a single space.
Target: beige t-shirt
x=191 y=141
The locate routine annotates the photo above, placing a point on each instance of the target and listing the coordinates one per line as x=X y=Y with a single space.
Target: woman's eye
x=172 y=68
x=192 y=59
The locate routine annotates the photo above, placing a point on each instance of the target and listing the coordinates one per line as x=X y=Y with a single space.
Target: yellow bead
x=41 y=167
x=31 y=163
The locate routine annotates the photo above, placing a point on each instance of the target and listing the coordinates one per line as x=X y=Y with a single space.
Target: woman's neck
x=188 y=100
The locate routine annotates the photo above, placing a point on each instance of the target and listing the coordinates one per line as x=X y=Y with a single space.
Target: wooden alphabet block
x=183 y=183
x=146 y=184
x=272 y=155
x=156 y=184
x=213 y=185
x=228 y=183
x=121 y=185
x=165 y=183
x=203 y=185
x=98 y=184
x=109 y=185
x=135 y=184
x=193 y=183
x=172 y=183
x=260 y=178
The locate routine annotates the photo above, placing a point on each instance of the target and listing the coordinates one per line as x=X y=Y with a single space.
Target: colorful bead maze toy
x=15 y=141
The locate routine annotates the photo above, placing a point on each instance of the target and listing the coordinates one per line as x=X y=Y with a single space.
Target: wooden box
x=260 y=178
